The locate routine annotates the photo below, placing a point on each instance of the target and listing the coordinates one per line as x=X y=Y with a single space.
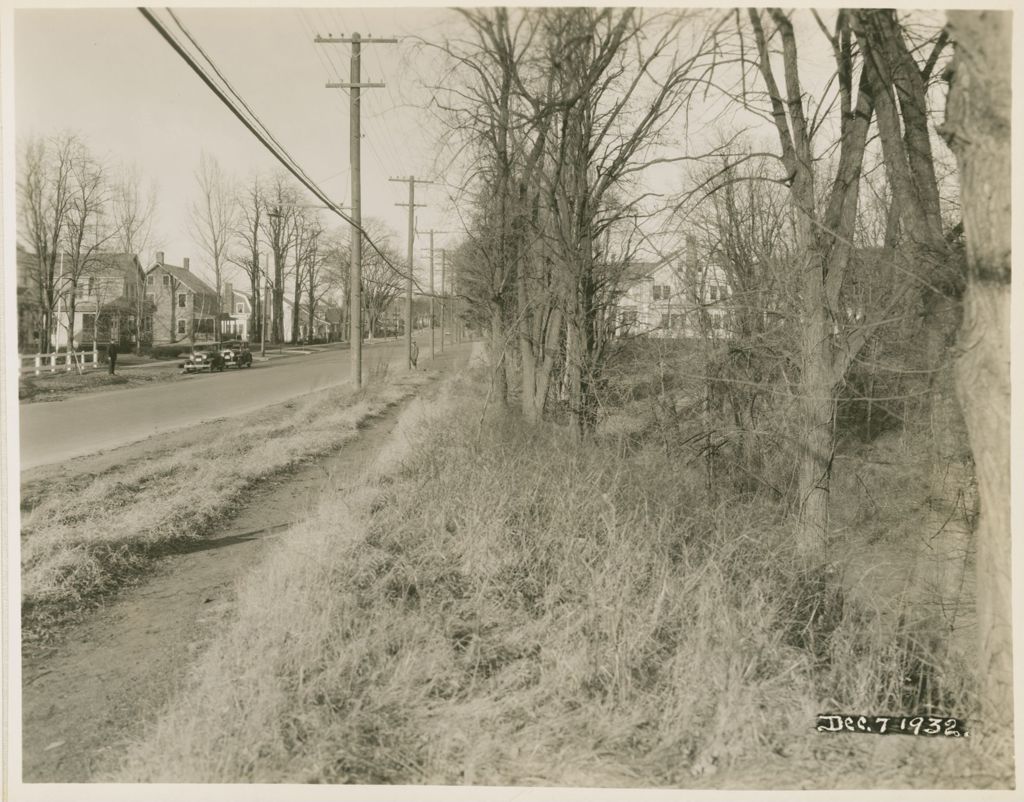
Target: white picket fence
x=37 y=364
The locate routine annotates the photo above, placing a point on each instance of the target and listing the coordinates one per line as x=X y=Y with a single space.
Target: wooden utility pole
x=408 y=278
x=434 y=231
x=444 y=261
x=432 y=294
x=356 y=270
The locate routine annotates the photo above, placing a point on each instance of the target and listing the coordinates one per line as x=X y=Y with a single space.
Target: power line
x=220 y=75
x=253 y=127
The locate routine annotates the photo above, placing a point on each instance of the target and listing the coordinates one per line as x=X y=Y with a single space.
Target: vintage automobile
x=236 y=353
x=204 y=357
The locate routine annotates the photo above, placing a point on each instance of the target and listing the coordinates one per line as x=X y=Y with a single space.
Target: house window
x=150 y=297
x=181 y=327
x=149 y=280
x=181 y=300
x=714 y=292
x=88 y=323
x=167 y=281
x=663 y=323
x=240 y=309
x=661 y=292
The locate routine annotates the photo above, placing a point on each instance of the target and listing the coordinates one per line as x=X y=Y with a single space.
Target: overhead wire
x=262 y=134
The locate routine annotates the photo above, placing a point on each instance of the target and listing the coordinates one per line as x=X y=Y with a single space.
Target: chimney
x=159 y=257
x=184 y=263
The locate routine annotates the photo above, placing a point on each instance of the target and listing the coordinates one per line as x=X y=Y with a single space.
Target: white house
x=236 y=320
x=671 y=299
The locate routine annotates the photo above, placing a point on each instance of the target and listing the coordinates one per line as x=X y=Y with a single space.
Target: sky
x=108 y=75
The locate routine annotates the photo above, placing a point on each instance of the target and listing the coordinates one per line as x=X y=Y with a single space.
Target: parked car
x=236 y=353
x=204 y=357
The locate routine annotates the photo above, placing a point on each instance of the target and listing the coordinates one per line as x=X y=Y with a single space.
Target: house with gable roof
x=673 y=297
x=185 y=308
x=107 y=303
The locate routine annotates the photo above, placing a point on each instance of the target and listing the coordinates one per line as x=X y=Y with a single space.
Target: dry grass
x=57 y=386
x=76 y=546
x=522 y=609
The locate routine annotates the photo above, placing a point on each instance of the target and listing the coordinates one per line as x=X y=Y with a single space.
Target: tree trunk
x=497 y=354
x=948 y=533
x=547 y=364
x=816 y=436
x=978 y=129
x=296 y=303
x=277 y=326
x=527 y=359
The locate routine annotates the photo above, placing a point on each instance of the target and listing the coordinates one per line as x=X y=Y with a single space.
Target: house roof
x=638 y=271
x=185 y=277
x=124 y=304
x=115 y=263
x=109 y=264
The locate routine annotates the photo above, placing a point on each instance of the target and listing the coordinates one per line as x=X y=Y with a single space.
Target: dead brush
x=526 y=609
x=77 y=546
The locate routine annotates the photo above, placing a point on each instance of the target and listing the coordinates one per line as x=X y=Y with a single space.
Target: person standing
x=112 y=356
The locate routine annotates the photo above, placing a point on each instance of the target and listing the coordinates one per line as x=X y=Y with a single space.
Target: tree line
x=75 y=208
x=851 y=256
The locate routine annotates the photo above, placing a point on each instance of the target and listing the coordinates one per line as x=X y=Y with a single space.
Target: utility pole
x=432 y=232
x=263 y=315
x=356 y=270
x=432 y=294
x=408 y=278
x=444 y=261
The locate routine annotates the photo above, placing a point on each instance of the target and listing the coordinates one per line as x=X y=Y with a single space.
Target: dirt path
x=91 y=694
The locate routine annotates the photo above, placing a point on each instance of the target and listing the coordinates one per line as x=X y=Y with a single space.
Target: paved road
x=55 y=431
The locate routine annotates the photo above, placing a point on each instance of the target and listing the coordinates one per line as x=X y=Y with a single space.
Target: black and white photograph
x=534 y=402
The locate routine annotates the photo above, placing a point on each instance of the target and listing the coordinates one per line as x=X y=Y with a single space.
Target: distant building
x=237 y=321
x=107 y=302
x=670 y=298
x=30 y=310
x=186 y=308
x=236 y=314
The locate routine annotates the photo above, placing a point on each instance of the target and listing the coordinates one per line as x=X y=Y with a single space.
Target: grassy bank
x=512 y=607
x=82 y=540
x=57 y=386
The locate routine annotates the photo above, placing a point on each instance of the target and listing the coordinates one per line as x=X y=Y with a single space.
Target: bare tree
x=45 y=201
x=978 y=129
x=382 y=282
x=605 y=61
x=822 y=252
x=214 y=216
x=549 y=101
x=307 y=231
x=318 y=277
x=87 y=228
x=278 y=229
x=133 y=209
x=248 y=232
